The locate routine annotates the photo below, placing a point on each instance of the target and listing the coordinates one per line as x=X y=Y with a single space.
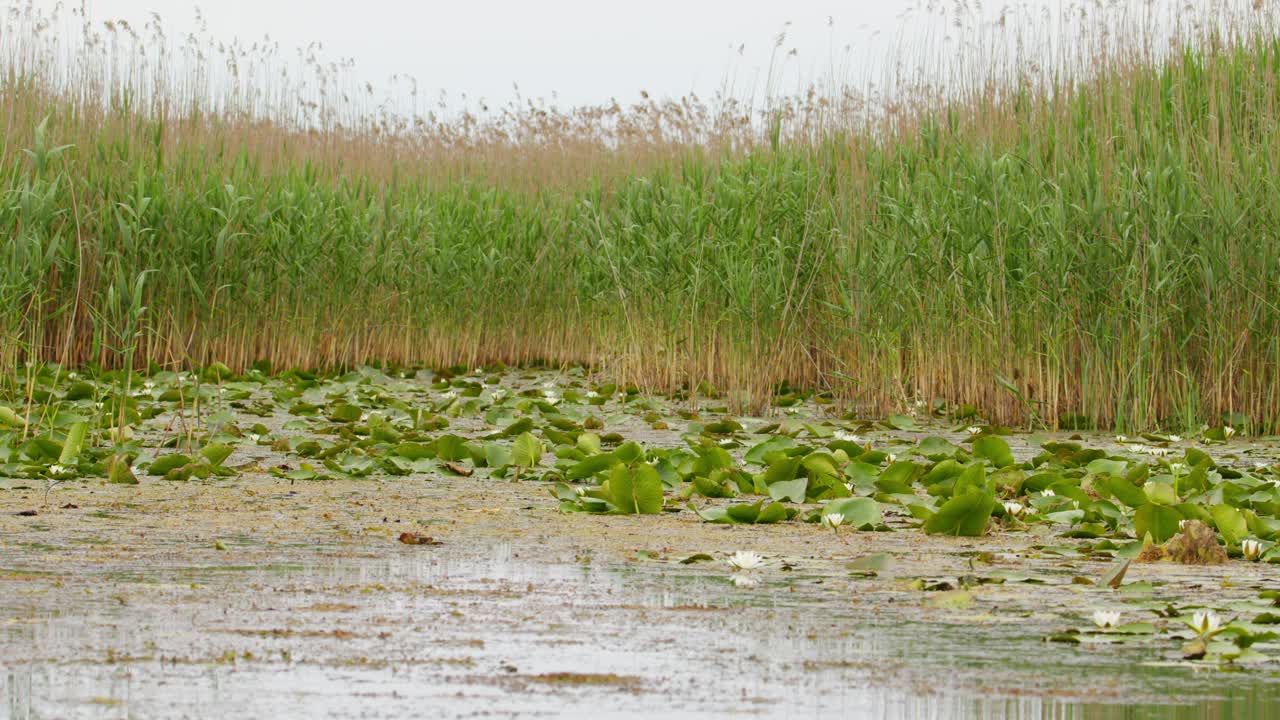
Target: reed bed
x=1084 y=235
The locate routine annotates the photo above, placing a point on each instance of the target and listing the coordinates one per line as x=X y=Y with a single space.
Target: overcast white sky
x=585 y=51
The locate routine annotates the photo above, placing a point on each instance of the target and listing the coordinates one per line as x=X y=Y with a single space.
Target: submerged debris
x=1197 y=544
x=413 y=538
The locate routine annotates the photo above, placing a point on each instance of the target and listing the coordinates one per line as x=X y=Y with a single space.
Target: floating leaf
x=591 y=466
x=755 y=513
x=74 y=444
x=1230 y=523
x=1121 y=489
x=965 y=514
x=1114 y=576
x=636 y=490
x=1160 y=521
x=994 y=449
x=859 y=512
x=119 y=472
x=697 y=558
x=163 y=465
x=526 y=452
x=900 y=422
x=452 y=448
x=216 y=453
x=792 y=490
x=936 y=448
x=345 y=413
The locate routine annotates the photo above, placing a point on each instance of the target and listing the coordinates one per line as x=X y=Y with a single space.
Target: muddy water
x=257 y=597
x=260 y=598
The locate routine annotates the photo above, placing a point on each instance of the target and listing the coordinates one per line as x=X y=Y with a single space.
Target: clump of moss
x=1197 y=544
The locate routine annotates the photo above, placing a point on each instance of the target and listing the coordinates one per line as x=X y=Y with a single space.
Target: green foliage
x=1096 y=248
x=635 y=490
x=1158 y=521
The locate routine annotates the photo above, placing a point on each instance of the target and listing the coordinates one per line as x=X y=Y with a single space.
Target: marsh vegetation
x=1079 y=236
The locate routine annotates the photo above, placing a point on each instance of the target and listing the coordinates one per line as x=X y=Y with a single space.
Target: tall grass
x=1090 y=230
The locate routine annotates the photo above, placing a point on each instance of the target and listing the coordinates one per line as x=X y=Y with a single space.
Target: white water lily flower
x=1158 y=451
x=891 y=458
x=449 y=395
x=849 y=437
x=1122 y=439
x=1175 y=438
x=1048 y=492
x=57 y=470
x=1106 y=618
x=1252 y=550
x=1205 y=622
x=593 y=394
x=740 y=580
x=745 y=560
x=973 y=429
x=1228 y=431
x=833 y=520
x=1177 y=468
x=1013 y=509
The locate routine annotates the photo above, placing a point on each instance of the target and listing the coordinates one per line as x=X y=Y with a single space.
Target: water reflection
x=457 y=631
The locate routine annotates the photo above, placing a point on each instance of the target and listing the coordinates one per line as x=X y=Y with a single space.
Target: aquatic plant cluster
x=606 y=449
x=1077 y=250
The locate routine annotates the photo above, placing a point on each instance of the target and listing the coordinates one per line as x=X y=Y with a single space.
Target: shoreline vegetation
x=1098 y=249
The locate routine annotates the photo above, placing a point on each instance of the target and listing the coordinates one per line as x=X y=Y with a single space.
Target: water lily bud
x=1252 y=550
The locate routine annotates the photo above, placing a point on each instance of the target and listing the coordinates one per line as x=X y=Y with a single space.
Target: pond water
x=275 y=586
x=499 y=630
